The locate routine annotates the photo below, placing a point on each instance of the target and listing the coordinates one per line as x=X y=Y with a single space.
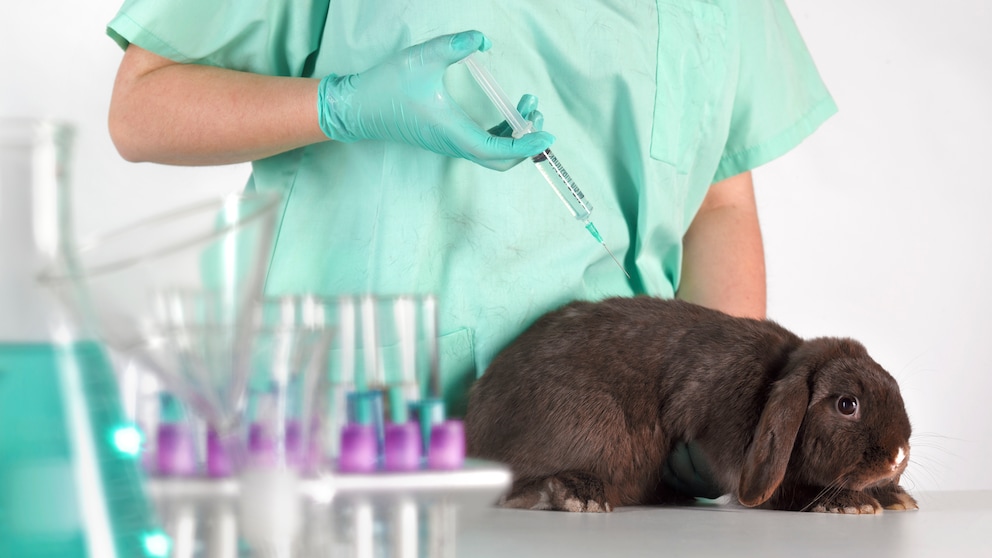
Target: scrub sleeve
x=651 y=101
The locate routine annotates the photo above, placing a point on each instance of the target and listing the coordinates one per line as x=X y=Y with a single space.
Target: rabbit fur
x=587 y=404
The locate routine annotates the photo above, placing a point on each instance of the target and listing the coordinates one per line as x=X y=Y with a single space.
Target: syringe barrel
x=499 y=97
x=546 y=162
x=563 y=185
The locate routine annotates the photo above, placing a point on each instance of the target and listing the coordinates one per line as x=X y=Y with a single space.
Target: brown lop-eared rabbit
x=588 y=403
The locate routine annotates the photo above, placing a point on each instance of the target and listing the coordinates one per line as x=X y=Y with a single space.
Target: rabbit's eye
x=847 y=405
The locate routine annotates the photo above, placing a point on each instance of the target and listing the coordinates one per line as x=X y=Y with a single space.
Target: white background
x=878 y=227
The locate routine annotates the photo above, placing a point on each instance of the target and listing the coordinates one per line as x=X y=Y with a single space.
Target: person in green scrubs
x=359 y=113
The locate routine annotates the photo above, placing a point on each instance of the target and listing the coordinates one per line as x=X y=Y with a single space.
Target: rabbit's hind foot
x=572 y=491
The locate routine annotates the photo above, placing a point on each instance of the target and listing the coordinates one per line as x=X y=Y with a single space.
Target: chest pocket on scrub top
x=690 y=78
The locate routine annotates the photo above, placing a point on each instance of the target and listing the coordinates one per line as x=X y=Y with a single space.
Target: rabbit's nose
x=897 y=461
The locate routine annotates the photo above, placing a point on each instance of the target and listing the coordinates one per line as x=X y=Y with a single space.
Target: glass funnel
x=292 y=339
x=70 y=484
x=201 y=267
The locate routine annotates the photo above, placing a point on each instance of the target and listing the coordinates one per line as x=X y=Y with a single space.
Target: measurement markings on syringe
x=560 y=171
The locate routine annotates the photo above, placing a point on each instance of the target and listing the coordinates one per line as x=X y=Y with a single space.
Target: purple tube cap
x=359 y=449
x=303 y=448
x=403 y=447
x=176 y=451
x=219 y=461
x=447 y=451
x=261 y=445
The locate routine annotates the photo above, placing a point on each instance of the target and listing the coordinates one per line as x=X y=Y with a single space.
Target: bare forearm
x=187 y=114
x=723 y=262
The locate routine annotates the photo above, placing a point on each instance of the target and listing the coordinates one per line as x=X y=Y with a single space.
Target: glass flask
x=70 y=478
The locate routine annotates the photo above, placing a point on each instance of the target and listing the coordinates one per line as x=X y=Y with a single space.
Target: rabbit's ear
x=768 y=455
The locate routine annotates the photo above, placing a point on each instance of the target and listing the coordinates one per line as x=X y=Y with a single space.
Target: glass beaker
x=70 y=481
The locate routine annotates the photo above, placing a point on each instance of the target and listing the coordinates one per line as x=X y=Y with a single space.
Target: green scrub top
x=650 y=102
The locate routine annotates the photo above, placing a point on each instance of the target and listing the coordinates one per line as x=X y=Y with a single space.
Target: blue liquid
x=68 y=488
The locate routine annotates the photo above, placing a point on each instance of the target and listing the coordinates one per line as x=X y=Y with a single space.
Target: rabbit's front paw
x=895 y=497
x=847 y=501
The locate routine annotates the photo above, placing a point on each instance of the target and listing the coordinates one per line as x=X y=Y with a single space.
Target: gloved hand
x=403 y=99
x=688 y=473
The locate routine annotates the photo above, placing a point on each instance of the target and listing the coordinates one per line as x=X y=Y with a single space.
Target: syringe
x=551 y=169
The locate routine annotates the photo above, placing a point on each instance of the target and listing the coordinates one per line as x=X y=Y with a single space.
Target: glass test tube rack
x=382 y=474
x=408 y=514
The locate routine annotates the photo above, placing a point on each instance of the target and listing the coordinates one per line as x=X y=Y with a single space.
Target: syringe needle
x=599 y=238
x=620 y=265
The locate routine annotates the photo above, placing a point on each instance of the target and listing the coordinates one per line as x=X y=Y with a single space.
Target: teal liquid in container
x=70 y=481
x=70 y=478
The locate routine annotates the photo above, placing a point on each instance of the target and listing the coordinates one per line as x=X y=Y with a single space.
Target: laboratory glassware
x=385 y=398
x=288 y=371
x=70 y=478
x=175 y=292
x=292 y=337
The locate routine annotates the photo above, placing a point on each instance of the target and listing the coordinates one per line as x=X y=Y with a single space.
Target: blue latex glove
x=403 y=99
x=686 y=472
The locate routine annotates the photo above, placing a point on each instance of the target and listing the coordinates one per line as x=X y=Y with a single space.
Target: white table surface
x=947 y=524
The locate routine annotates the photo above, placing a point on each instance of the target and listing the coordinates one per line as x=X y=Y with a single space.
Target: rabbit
x=587 y=404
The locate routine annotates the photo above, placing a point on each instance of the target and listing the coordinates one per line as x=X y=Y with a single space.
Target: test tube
x=433 y=369
x=219 y=461
x=363 y=404
x=352 y=444
x=371 y=372
x=176 y=454
x=222 y=541
x=403 y=448
x=429 y=409
x=363 y=516
x=181 y=523
x=403 y=386
x=342 y=379
x=405 y=528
